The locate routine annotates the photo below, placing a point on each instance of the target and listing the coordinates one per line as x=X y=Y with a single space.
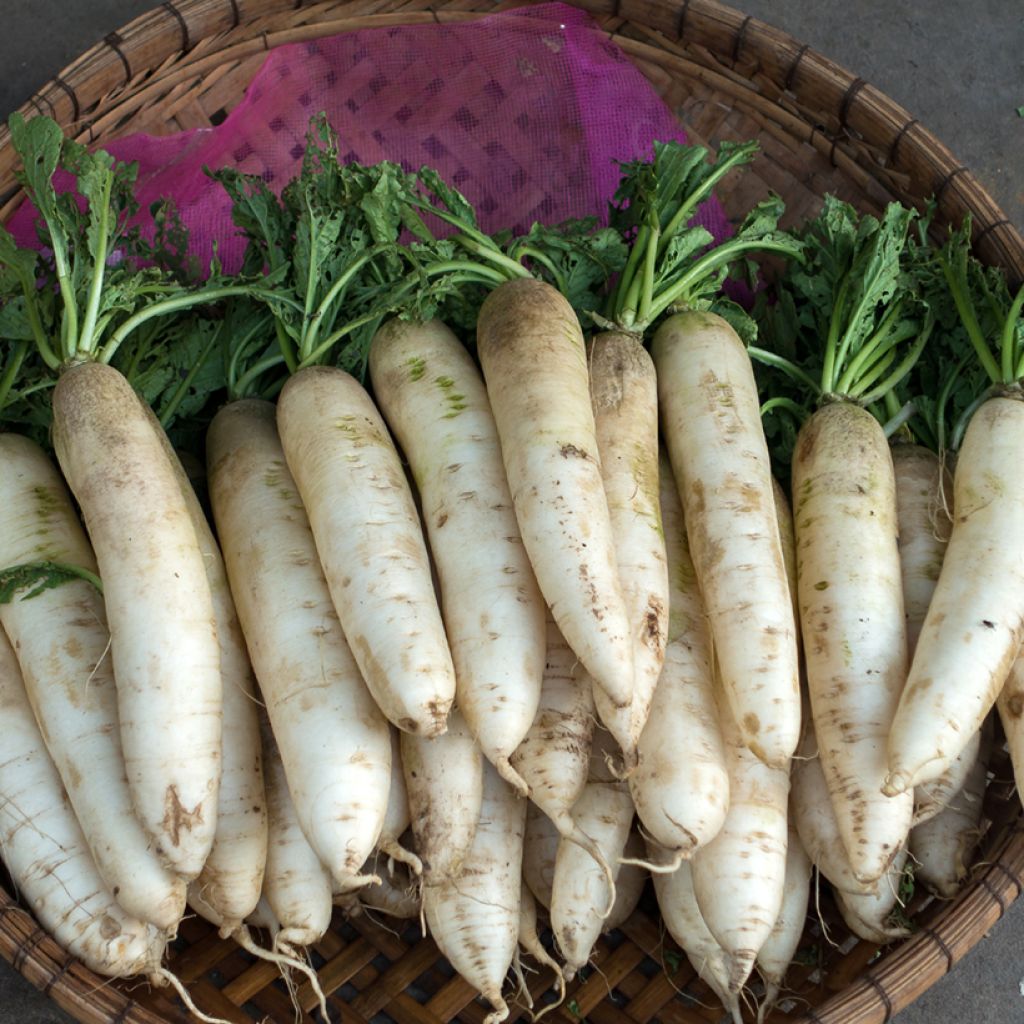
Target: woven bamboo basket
x=727 y=76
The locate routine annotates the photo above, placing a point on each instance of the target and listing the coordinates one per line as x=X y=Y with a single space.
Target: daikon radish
x=624 y=394
x=554 y=758
x=778 y=950
x=62 y=644
x=444 y=778
x=739 y=876
x=930 y=798
x=474 y=919
x=398 y=817
x=534 y=361
x=629 y=883
x=941 y=847
x=681 y=784
x=851 y=609
x=711 y=425
x=540 y=848
x=370 y=543
x=47 y=856
x=434 y=399
x=582 y=893
x=529 y=940
x=685 y=923
x=159 y=608
x=333 y=739
x=870 y=915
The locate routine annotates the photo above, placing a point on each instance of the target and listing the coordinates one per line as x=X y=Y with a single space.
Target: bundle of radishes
x=452 y=623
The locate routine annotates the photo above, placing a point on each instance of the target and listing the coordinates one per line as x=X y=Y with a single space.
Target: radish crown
x=848 y=324
x=672 y=262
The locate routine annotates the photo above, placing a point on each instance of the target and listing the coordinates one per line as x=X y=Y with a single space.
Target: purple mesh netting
x=526 y=112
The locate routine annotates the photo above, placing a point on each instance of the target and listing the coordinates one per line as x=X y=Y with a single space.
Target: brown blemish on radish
x=178 y=818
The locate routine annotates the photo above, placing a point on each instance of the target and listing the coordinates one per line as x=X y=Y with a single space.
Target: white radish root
x=534 y=362
x=540 y=848
x=851 y=609
x=333 y=739
x=398 y=817
x=159 y=608
x=624 y=394
x=474 y=919
x=681 y=784
x=870 y=916
x=62 y=644
x=444 y=778
x=434 y=399
x=711 y=424
x=370 y=543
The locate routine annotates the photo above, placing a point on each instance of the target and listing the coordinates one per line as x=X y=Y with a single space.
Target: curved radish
x=46 y=854
x=930 y=798
x=554 y=758
x=923 y=503
x=370 y=543
x=681 y=784
x=62 y=642
x=624 y=394
x=535 y=364
x=159 y=608
x=851 y=609
x=581 y=894
x=529 y=940
x=778 y=950
x=333 y=739
x=711 y=424
x=870 y=915
x=398 y=817
x=685 y=923
x=975 y=621
x=232 y=877
x=434 y=399
x=474 y=919
x=739 y=876
x=444 y=779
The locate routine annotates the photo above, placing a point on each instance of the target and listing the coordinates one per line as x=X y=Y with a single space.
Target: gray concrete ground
x=959 y=69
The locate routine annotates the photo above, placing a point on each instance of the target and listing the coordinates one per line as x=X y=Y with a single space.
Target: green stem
x=798 y=412
x=828 y=370
x=965 y=307
x=11 y=370
x=789 y=368
x=267 y=363
x=529 y=252
x=182 y=389
x=960 y=427
x=1012 y=360
x=169 y=306
x=904 y=366
x=636 y=252
x=876 y=345
x=86 y=341
x=871 y=374
x=650 y=266
x=488 y=251
x=717 y=257
x=901 y=417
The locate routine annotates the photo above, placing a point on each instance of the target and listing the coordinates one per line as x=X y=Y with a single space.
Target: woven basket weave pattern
x=728 y=77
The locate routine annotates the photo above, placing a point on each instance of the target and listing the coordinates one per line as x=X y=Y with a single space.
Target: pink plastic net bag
x=527 y=112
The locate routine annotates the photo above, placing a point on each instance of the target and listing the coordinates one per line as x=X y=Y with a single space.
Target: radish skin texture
x=1010 y=705
x=370 y=543
x=61 y=641
x=159 y=608
x=296 y=884
x=941 y=847
x=930 y=798
x=474 y=919
x=534 y=362
x=580 y=894
x=629 y=884
x=681 y=784
x=624 y=395
x=739 y=876
x=434 y=400
x=529 y=940
x=46 y=854
x=232 y=877
x=924 y=497
x=778 y=950
x=555 y=756
x=815 y=820
x=444 y=778
x=333 y=739
x=975 y=621
x=711 y=424
x=868 y=916
x=850 y=590
x=677 y=902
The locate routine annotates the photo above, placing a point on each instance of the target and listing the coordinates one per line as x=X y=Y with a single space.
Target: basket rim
x=93 y=85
